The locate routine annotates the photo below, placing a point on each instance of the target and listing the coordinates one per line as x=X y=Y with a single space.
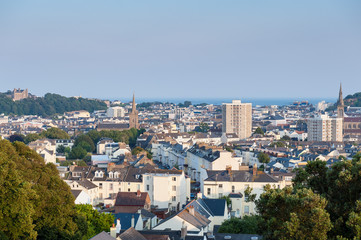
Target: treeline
x=48 y=105
x=86 y=143
x=324 y=203
x=35 y=203
x=51 y=133
x=353 y=100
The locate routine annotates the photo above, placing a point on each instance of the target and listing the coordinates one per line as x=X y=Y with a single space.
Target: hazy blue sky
x=184 y=49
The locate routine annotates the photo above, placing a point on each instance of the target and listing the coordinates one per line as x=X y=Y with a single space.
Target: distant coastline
x=219 y=101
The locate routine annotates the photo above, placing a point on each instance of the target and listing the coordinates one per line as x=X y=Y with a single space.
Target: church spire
x=340 y=98
x=133 y=105
x=340 y=104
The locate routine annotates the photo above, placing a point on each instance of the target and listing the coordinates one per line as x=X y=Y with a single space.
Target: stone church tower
x=133 y=116
x=340 y=105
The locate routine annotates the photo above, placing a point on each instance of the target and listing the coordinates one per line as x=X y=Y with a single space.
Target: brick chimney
x=254 y=169
x=113 y=232
x=138 y=193
x=191 y=210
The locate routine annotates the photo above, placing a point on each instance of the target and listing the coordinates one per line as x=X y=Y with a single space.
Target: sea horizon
x=219 y=101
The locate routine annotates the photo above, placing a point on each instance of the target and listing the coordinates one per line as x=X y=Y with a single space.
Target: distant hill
x=48 y=105
x=353 y=100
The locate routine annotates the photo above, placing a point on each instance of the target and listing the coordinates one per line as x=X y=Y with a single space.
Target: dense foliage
x=35 y=203
x=289 y=214
x=34 y=200
x=203 y=127
x=48 y=105
x=51 y=133
x=353 y=100
x=246 y=225
x=259 y=131
x=85 y=143
x=96 y=222
x=126 y=136
x=263 y=157
x=340 y=186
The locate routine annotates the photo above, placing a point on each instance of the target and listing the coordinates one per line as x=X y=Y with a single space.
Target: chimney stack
x=183 y=231
x=132 y=221
x=118 y=226
x=229 y=170
x=271 y=170
x=191 y=210
x=138 y=193
x=254 y=169
x=113 y=232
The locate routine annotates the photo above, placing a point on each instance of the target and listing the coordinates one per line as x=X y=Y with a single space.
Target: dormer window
x=101 y=174
x=116 y=175
x=111 y=175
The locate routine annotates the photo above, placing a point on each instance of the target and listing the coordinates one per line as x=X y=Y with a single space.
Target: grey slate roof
x=76 y=193
x=131 y=234
x=102 y=236
x=217 y=206
x=239 y=176
x=87 y=184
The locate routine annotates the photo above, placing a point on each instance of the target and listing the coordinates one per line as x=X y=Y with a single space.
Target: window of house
x=174 y=209
x=128 y=189
x=220 y=195
x=100 y=185
x=220 y=185
x=246 y=209
x=101 y=195
x=238 y=211
x=174 y=198
x=208 y=191
x=174 y=188
x=233 y=189
x=111 y=186
x=174 y=179
x=147 y=187
x=148 y=177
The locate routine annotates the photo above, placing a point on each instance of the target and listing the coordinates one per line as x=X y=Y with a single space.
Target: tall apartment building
x=324 y=128
x=115 y=112
x=237 y=118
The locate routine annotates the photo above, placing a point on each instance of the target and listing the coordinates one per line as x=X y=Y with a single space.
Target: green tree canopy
x=259 y=131
x=54 y=133
x=48 y=105
x=35 y=198
x=96 y=222
x=340 y=185
x=293 y=214
x=263 y=157
x=85 y=142
x=77 y=153
x=277 y=144
x=246 y=225
x=203 y=127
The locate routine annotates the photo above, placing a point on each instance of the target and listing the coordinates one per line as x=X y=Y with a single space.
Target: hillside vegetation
x=353 y=100
x=48 y=105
